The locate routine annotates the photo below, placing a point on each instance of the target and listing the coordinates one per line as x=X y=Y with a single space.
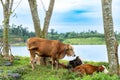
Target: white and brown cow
x=48 y=48
x=89 y=69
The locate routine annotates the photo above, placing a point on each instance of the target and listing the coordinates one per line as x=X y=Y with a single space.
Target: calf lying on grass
x=89 y=69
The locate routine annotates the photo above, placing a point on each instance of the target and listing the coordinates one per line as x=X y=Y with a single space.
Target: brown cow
x=48 y=48
x=89 y=69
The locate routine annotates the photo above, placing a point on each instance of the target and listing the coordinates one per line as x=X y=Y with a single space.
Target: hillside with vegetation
x=18 y=36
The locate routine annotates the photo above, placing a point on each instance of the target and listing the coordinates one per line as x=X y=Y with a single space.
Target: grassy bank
x=84 y=41
x=75 y=41
x=21 y=65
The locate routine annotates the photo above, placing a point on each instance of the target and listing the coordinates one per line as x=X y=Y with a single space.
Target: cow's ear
x=33 y=48
x=100 y=69
x=69 y=46
x=66 y=47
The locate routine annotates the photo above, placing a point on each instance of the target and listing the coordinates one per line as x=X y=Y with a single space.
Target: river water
x=97 y=53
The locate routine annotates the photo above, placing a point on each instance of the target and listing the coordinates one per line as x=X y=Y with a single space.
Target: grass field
x=84 y=41
x=41 y=72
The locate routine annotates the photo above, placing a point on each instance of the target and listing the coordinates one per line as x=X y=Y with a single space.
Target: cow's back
x=48 y=46
x=85 y=68
x=33 y=42
x=44 y=46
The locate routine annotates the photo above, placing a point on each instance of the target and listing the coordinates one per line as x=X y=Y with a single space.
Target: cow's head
x=102 y=69
x=77 y=61
x=73 y=63
x=69 y=50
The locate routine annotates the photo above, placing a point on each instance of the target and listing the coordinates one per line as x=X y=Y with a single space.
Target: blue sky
x=68 y=15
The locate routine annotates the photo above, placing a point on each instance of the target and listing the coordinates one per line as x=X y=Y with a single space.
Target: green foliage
x=17 y=34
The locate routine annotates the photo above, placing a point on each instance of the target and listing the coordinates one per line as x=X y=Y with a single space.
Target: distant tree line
x=90 y=33
x=62 y=36
x=21 y=34
x=17 y=33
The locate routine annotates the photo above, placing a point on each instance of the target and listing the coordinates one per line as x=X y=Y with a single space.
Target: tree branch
x=48 y=17
x=35 y=17
x=2 y=3
x=10 y=7
x=43 y=6
x=17 y=5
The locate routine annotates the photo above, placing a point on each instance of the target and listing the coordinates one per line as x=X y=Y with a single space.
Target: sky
x=68 y=15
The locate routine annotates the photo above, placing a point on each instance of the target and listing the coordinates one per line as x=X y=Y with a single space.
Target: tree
x=7 y=10
x=35 y=17
x=52 y=31
x=111 y=42
x=47 y=18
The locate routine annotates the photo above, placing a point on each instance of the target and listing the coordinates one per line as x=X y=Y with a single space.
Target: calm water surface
x=86 y=52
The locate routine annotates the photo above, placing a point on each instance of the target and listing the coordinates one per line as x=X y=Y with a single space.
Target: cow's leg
x=53 y=62
x=37 y=59
x=57 y=64
x=32 y=59
x=44 y=60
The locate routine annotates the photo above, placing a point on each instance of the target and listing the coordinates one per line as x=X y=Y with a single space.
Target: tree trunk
x=7 y=7
x=47 y=18
x=5 y=38
x=111 y=42
x=35 y=17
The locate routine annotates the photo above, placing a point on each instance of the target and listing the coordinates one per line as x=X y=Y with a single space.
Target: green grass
x=101 y=76
x=45 y=73
x=42 y=72
x=23 y=62
x=83 y=41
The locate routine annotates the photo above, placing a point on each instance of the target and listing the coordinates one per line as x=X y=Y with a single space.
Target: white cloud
x=66 y=5
x=62 y=6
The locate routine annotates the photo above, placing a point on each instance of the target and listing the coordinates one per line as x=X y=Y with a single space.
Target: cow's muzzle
x=74 y=55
